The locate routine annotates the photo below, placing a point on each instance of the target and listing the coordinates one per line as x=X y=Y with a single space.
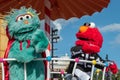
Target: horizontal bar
x=57 y=72
x=60 y=59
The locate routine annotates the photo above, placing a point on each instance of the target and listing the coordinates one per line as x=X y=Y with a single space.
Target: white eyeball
x=92 y=25
x=20 y=18
x=27 y=16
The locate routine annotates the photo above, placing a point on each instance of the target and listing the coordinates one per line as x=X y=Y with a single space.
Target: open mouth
x=84 y=39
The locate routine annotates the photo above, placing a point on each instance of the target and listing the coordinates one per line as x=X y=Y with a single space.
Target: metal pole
x=93 y=66
x=75 y=65
x=25 y=72
x=52 y=52
x=103 y=77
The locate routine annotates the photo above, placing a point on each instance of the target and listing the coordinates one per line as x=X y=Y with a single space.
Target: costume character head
x=21 y=23
x=89 y=38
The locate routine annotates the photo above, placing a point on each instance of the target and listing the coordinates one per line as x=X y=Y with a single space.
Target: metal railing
x=62 y=72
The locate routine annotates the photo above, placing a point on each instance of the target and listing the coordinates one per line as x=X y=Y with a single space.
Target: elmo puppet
x=89 y=38
x=87 y=46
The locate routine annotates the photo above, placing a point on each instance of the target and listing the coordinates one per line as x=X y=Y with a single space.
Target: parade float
x=48 y=10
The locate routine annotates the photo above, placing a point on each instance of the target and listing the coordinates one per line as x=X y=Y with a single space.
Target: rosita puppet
x=26 y=42
x=88 y=44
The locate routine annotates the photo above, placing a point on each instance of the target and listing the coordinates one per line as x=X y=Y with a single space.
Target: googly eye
x=86 y=24
x=27 y=16
x=20 y=18
x=92 y=25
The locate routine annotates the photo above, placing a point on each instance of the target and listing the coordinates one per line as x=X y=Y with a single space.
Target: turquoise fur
x=22 y=32
x=38 y=40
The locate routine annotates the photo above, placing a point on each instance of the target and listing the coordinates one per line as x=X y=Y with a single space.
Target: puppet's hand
x=36 y=37
x=79 y=35
x=113 y=67
x=80 y=42
x=39 y=41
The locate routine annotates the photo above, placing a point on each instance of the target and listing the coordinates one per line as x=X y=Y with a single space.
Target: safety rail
x=62 y=72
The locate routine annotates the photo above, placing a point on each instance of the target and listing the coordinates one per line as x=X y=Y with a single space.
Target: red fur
x=92 y=40
x=113 y=67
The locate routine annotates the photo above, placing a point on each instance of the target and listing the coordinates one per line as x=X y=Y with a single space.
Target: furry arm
x=39 y=41
x=88 y=47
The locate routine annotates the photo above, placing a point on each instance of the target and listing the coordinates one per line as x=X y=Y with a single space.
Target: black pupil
x=86 y=24
x=21 y=18
x=27 y=17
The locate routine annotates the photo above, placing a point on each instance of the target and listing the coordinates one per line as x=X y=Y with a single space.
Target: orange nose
x=83 y=28
x=26 y=22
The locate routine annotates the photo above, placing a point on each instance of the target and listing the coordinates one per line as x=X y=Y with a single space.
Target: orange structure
x=3 y=39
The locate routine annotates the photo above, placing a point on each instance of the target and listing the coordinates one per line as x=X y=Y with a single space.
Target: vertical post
x=25 y=72
x=63 y=77
x=54 y=38
x=103 y=77
x=47 y=17
x=75 y=65
x=48 y=70
x=93 y=66
x=106 y=64
x=48 y=62
x=52 y=51
x=47 y=4
x=62 y=74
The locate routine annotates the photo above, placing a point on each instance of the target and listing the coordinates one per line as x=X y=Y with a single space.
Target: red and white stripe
x=47 y=17
x=47 y=4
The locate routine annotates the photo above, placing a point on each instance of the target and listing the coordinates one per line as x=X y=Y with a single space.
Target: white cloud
x=64 y=22
x=116 y=40
x=57 y=25
x=115 y=27
x=110 y=28
x=53 y=24
x=73 y=20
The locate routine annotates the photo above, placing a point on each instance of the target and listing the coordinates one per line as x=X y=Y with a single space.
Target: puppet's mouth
x=86 y=39
x=25 y=30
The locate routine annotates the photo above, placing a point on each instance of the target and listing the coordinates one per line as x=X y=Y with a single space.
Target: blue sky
x=108 y=22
